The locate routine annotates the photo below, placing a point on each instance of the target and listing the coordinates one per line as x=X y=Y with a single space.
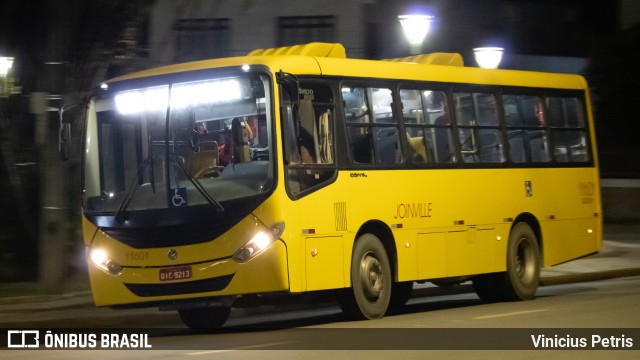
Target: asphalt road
x=601 y=308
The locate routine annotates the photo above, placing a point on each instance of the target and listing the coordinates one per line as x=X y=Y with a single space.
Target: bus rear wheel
x=521 y=280
x=370 y=292
x=205 y=318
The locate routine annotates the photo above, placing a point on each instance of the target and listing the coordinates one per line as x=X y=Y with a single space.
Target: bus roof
x=330 y=59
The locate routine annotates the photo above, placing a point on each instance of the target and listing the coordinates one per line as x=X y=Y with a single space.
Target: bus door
x=310 y=169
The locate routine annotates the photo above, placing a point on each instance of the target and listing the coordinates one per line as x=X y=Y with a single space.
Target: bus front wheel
x=370 y=292
x=520 y=281
x=205 y=318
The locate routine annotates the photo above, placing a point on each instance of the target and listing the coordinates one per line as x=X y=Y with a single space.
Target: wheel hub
x=371 y=277
x=524 y=264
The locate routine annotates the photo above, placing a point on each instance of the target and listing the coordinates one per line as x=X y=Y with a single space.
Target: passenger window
x=568 y=130
x=309 y=137
x=426 y=121
x=372 y=129
x=478 y=128
x=525 y=125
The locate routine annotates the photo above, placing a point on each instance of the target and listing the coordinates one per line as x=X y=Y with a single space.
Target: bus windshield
x=178 y=144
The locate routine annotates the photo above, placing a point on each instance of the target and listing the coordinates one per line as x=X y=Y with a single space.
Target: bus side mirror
x=289 y=84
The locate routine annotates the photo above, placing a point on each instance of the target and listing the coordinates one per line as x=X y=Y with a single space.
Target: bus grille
x=178 y=288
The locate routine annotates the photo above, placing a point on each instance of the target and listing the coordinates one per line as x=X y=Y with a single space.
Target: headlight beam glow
x=259 y=243
x=101 y=259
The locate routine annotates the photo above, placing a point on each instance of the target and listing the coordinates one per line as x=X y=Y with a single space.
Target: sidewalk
x=620 y=257
x=617 y=259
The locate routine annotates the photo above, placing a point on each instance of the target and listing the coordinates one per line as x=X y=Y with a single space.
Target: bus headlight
x=101 y=259
x=259 y=243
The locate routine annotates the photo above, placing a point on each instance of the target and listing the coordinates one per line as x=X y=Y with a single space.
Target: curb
x=589 y=276
x=46 y=302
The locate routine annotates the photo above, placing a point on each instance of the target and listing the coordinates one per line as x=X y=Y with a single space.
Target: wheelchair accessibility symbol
x=178 y=197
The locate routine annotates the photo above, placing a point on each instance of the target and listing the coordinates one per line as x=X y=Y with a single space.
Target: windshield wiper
x=130 y=190
x=196 y=183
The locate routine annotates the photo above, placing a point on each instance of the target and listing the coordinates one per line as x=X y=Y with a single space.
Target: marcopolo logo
x=23 y=339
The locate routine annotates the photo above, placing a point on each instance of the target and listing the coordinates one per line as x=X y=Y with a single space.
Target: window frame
x=308 y=168
x=494 y=91
x=300 y=29
x=585 y=128
x=524 y=128
x=188 y=32
x=344 y=159
x=450 y=126
x=396 y=124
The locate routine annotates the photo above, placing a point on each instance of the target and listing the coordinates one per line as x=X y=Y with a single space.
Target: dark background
x=64 y=48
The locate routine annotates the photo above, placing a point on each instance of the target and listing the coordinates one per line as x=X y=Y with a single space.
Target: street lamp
x=5 y=65
x=488 y=57
x=415 y=28
x=6 y=83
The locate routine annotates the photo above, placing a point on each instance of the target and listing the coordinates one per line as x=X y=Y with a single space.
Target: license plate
x=175 y=273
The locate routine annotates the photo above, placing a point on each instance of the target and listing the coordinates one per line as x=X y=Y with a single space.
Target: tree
x=65 y=47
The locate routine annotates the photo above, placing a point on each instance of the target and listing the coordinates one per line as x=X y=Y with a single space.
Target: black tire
x=205 y=318
x=521 y=280
x=370 y=292
x=523 y=264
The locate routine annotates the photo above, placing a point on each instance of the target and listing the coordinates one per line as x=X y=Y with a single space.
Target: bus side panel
x=457 y=222
x=432 y=255
x=448 y=222
x=324 y=259
x=324 y=234
x=569 y=239
x=567 y=205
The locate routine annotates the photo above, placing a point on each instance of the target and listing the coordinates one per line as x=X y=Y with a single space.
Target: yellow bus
x=297 y=170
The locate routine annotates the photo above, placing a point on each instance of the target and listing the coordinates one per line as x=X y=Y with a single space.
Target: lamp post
x=415 y=28
x=488 y=57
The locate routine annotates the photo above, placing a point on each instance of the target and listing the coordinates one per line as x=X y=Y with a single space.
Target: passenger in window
x=236 y=143
x=225 y=150
x=305 y=155
x=444 y=118
x=201 y=128
x=199 y=134
x=443 y=152
x=306 y=141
